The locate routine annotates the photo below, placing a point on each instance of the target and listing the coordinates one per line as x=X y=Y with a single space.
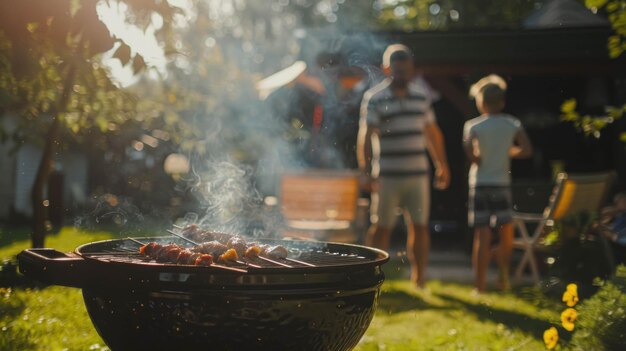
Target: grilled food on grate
x=173 y=253
x=203 y=253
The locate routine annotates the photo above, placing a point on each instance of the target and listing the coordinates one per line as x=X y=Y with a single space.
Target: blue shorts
x=490 y=206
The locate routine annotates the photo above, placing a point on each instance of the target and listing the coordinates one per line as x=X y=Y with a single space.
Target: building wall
x=72 y=165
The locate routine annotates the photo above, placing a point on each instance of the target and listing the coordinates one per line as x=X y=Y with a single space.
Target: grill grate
x=126 y=251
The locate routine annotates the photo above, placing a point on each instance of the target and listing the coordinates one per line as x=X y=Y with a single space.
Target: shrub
x=601 y=324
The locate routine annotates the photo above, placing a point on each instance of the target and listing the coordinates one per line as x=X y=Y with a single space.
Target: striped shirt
x=400 y=122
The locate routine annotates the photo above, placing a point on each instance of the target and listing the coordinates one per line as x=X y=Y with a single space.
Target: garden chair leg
x=520 y=267
x=533 y=266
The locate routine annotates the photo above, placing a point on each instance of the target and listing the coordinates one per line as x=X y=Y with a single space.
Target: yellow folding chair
x=572 y=195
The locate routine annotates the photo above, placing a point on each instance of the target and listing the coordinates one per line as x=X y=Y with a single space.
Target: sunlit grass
x=67 y=239
x=51 y=318
x=46 y=318
x=14 y=240
x=447 y=317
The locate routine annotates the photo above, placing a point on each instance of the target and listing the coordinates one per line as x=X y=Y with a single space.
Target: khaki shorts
x=411 y=194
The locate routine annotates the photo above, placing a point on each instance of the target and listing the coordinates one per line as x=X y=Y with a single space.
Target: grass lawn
x=447 y=317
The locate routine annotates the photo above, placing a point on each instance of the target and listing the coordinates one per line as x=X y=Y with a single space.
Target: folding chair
x=321 y=205
x=571 y=195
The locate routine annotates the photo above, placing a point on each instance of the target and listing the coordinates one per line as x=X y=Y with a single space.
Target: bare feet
x=417 y=281
x=503 y=282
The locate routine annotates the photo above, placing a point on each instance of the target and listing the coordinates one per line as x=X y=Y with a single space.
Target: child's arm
x=522 y=148
x=470 y=145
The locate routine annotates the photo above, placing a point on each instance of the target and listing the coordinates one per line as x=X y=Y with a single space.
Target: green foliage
x=587 y=124
x=208 y=101
x=579 y=256
x=40 y=43
x=616 y=13
x=602 y=318
x=451 y=14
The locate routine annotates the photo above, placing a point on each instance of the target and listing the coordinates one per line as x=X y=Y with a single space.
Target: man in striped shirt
x=397 y=129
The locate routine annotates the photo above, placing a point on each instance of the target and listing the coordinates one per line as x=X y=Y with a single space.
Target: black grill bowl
x=149 y=306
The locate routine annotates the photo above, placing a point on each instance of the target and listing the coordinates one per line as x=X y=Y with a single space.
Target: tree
x=53 y=80
x=616 y=13
x=616 y=45
x=453 y=14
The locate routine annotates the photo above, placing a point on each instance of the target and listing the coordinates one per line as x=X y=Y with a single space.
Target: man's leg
x=503 y=254
x=418 y=247
x=481 y=255
x=378 y=237
x=382 y=215
x=418 y=236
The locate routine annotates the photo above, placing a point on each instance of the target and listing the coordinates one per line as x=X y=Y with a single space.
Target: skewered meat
x=252 y=251
x=173 y=253
x=162 y=254
x=204 y=260
x=275 y=251
x=242 y=248
x=238 y=244
x=196 y=234
x=225 y=247
x=229 y=256
x=185 y=257
x=148 y=248
x=214 y=248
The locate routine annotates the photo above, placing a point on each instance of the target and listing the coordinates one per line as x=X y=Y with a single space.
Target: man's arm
x=367 y=156
x=367 y=149
x=364 y=148
x=522 y=148
x=437 y=151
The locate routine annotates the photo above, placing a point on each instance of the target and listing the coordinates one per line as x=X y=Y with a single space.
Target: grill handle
x=53 y=267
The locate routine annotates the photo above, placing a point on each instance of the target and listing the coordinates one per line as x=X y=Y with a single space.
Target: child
x=490 y=141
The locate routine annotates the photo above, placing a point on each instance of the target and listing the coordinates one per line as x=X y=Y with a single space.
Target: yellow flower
x=568 y=317
x=570 y=296
x=550 y=338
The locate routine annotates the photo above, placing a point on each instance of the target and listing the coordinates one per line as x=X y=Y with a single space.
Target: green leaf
x=75 y=5
x=102 y=123
x=595 y=3
x=568 y=106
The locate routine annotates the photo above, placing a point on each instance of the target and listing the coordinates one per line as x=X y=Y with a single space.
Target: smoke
x=250 y=143
x=111 y=210
x=232 y=203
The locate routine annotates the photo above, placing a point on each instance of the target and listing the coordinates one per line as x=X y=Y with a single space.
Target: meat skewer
x=250 y=251
x=256 y=252
x=173 y=253
x=223 y=252
x=239 y=247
